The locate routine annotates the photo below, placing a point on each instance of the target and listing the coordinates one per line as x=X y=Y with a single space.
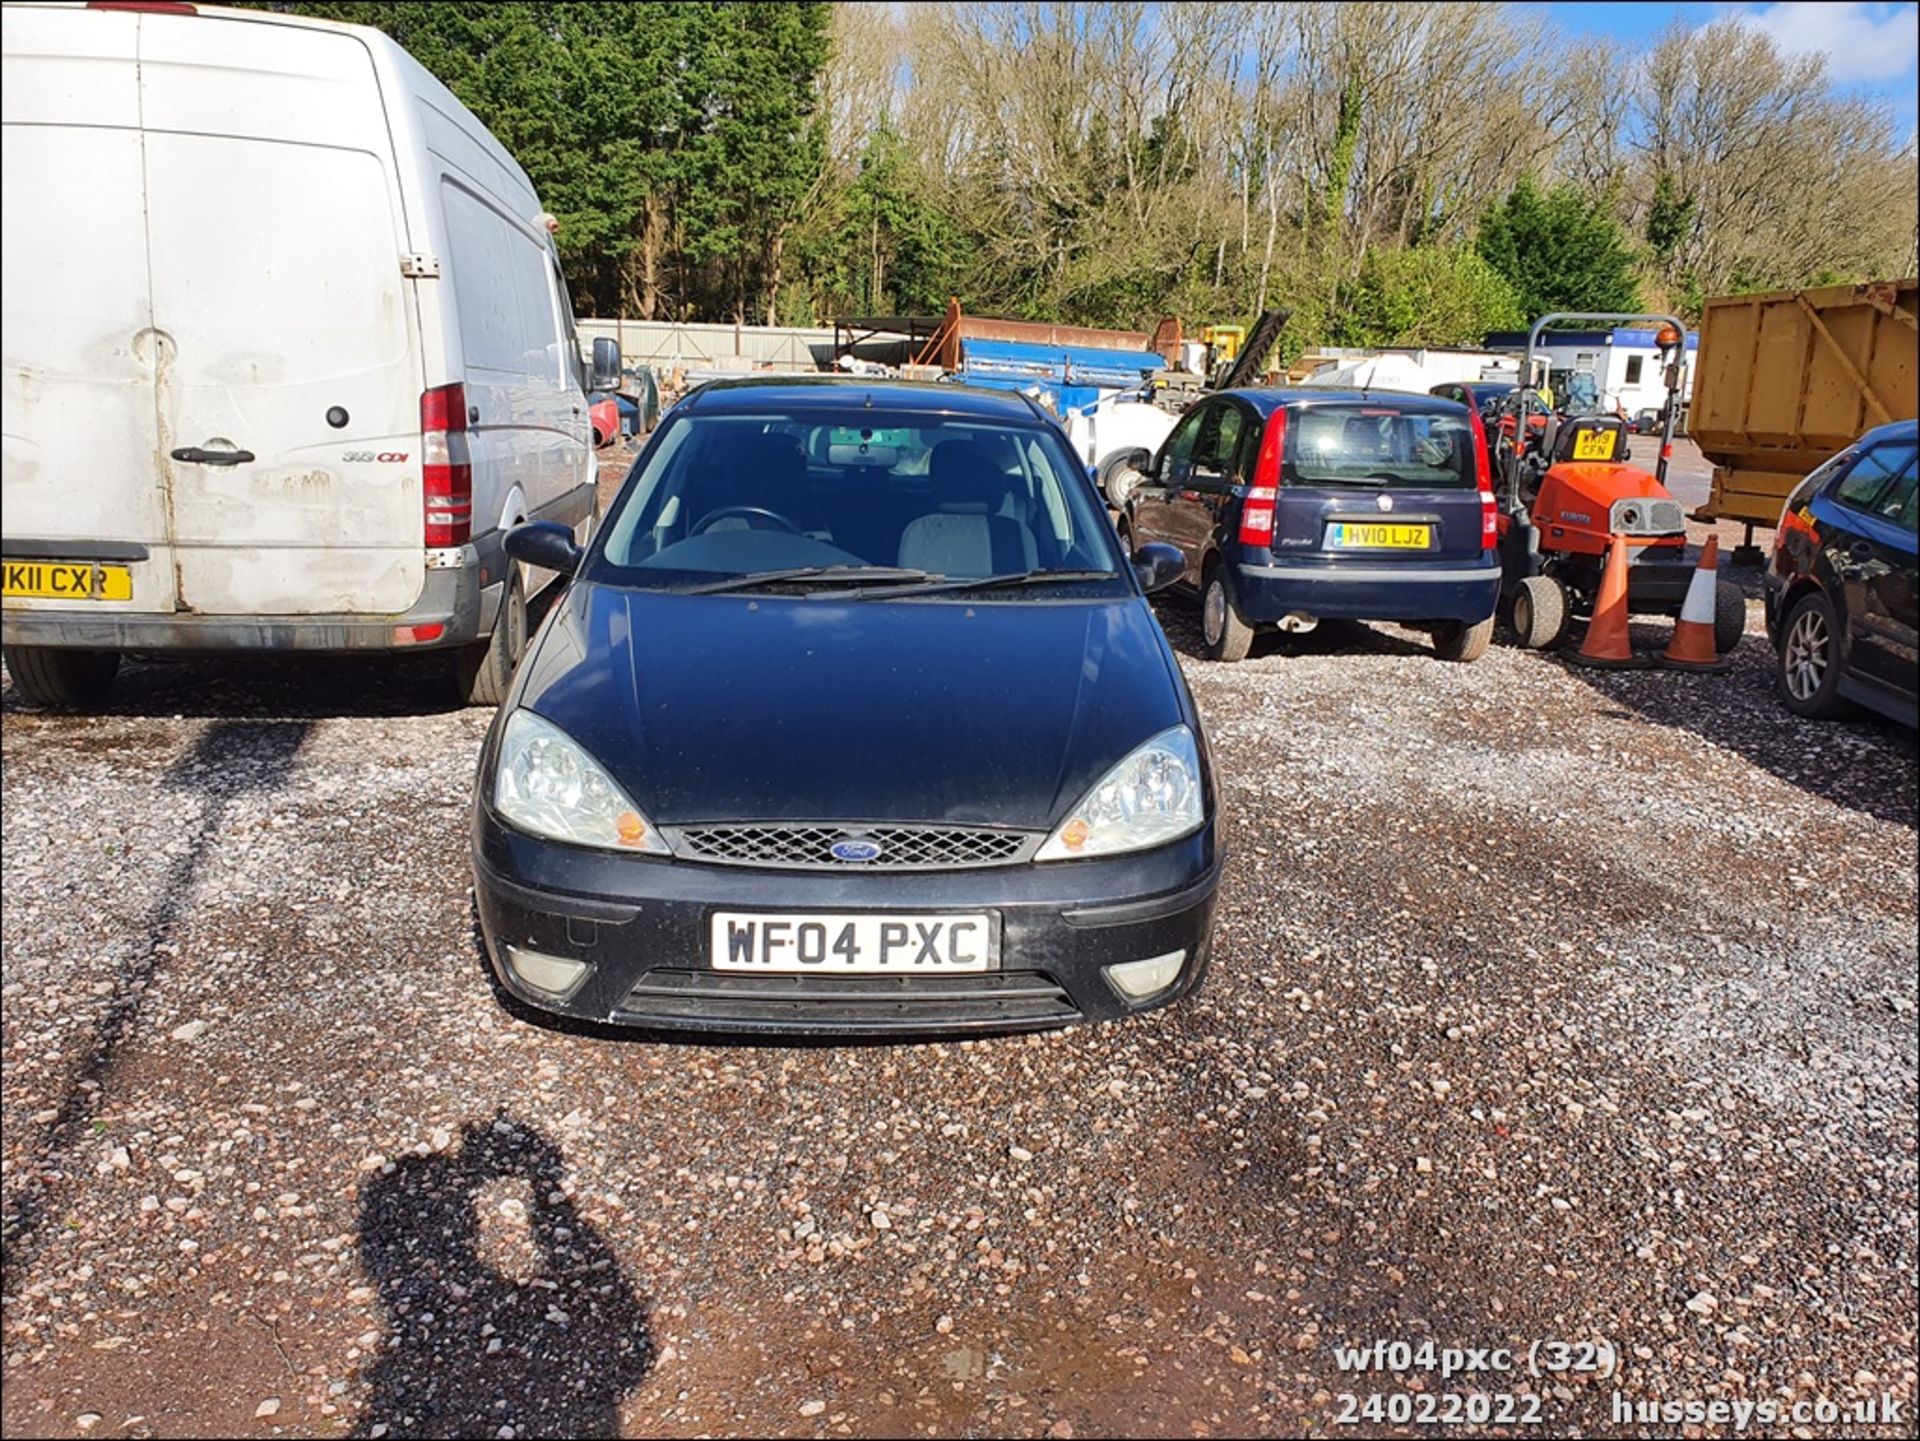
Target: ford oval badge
x=855 y=848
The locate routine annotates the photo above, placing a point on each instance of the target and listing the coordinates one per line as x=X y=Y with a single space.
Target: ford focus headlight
x=1152 y=797
x=547 y=785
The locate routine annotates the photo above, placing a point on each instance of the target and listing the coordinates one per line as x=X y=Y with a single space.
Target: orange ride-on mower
x=1566 y=489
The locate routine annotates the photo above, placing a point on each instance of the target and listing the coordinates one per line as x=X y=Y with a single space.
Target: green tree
x=1560 y=250
x=1425 y=296
x=1670 y=216
x=879 y=244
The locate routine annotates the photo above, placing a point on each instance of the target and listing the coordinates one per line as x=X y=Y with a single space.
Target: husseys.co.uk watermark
x=1597 y=1359
x=1886 y=1409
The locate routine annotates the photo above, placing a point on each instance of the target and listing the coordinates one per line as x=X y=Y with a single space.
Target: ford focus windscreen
x=835 y=499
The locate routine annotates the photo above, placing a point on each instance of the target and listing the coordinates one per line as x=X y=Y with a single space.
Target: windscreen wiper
x=941 y=586
x=854 y=574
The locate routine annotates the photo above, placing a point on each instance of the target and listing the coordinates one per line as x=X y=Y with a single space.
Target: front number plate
x=1348 y=535
x=66 y=580
x=853 y=945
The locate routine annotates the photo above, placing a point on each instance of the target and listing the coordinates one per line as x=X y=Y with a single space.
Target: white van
x=286 y=346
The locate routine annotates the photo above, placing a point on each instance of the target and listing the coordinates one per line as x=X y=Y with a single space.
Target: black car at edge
x=852 y=719
x=1840 y=592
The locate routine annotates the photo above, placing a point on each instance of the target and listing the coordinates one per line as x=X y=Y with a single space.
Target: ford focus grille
x=873 y=848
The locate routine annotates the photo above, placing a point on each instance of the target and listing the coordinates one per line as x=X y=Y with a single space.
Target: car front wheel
x=1810 y=662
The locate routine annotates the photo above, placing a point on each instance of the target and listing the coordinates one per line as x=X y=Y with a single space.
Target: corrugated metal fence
x=669 y=343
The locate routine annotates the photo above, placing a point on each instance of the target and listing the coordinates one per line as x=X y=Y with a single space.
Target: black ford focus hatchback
x=854 y=718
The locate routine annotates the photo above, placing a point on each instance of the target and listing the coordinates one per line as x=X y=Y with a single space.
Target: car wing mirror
x=545 y=544
x=1157 y=566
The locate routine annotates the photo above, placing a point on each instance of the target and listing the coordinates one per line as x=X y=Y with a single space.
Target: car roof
x=838 y=392
x=1300 y=398
x=1896 y=430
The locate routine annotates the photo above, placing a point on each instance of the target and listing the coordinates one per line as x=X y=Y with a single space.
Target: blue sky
x=1870 y=46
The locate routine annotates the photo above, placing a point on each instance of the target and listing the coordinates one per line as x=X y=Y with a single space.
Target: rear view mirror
x=1158 y=566
x=886 y=457
x=545 y=544
x=606 y=364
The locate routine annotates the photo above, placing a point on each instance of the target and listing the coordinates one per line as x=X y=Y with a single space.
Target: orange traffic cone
x=1608 y=646
x=1692 y=646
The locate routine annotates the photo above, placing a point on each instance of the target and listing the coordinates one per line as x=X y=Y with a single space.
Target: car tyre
x=1119 y=479
x=62 y=679
x=1540 y=612
x=1729 y=617
x=1225 y=636
x=486 y=670
x=1456 y=640
x=1809 y=667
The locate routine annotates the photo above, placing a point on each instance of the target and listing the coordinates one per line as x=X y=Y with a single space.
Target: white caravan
x=287 y=349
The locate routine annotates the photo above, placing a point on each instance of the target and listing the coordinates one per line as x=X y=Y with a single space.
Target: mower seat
x=1591 y=438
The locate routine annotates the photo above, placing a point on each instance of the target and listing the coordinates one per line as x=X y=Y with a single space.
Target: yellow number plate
x=1594 y=445
x=1346 y=535
x=66 y=580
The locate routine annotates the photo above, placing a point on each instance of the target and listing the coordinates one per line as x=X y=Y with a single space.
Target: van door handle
x=195 y=455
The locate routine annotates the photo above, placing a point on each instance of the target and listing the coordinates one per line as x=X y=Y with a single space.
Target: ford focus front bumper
x=627 y=939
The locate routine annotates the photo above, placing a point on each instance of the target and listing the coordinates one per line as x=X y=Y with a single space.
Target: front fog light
x=1139 y=979
x=555 y=975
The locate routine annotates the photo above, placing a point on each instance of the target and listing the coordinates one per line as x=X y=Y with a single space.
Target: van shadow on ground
x=472 y=1348
x=229 y=760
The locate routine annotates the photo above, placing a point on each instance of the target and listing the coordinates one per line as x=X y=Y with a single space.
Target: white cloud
x=1862 y=42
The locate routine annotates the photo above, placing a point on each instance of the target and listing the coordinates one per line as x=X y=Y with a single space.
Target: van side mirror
x=546 y=544
x=1157 y=566
x=606 y=364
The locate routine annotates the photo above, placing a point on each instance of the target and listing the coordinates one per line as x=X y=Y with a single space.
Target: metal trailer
x=1787 y=378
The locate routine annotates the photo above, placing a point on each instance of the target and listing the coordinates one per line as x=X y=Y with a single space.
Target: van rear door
x=289 y=380
x=1385 y=481
x=78 y=454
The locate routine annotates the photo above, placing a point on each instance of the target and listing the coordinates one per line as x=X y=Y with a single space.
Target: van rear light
x=1256 y=510
x=446 y=466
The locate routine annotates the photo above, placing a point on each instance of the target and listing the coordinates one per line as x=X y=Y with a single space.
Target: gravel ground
x=1546 y=1005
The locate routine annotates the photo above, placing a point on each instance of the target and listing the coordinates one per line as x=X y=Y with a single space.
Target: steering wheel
x=745 y=512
